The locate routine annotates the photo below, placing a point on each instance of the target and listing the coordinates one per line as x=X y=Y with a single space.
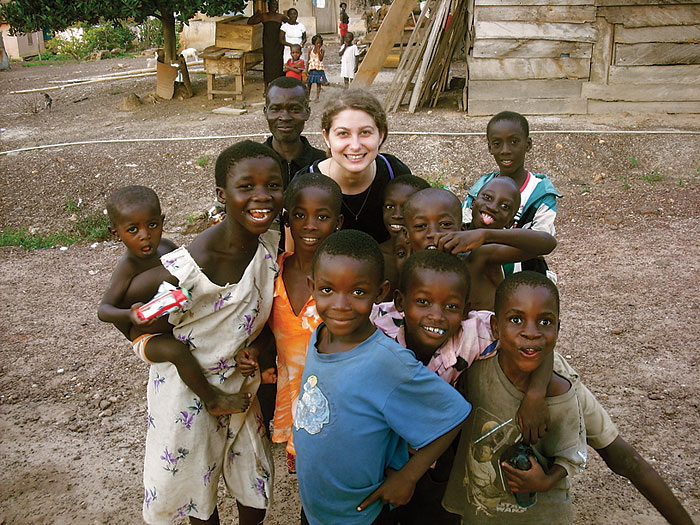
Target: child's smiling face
x=496 y=204
x=253 y=193
x=344 y=289
x=312 y=218
x=296 y=52
x=392 y=211
x=434 y=306
x=431 y=212
x=527 y=326
x=508 y=144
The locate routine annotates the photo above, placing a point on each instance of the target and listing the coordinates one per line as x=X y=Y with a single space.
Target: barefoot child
x=433 y=220
x=295 y=65
x=364 y=397
x=395 y=194
x=312 y=211
x=138 y=222
x=230 y=270
x=317 y=75
x=508 y=136
x=348 y=59
x=482 y=486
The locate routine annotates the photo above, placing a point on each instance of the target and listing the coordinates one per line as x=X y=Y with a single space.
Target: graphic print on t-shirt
x=312 y=408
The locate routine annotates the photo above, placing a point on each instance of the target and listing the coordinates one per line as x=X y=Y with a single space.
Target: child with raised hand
x=312 y=212
x=348 y=59
x=508 y=137
x=294 y=67
x=433 y=221
x=483 y=486
x=317 y=75
x=364 y=397
x=230 y=271
x=137 y=221
x=395 y=194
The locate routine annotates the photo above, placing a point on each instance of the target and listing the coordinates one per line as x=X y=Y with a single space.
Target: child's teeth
x=259 y=214
x=486 y=218
x=434 y=330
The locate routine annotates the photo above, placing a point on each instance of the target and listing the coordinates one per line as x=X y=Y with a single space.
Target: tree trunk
x=168 y=23
x=4 y=59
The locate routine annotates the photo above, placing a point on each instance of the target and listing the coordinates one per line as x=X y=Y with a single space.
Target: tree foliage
x=26 y=16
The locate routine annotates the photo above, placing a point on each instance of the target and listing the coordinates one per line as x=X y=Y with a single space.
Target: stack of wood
x=440 y=28
x=647 y=58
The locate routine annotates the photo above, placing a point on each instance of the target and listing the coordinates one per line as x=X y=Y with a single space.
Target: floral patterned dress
x=187 y=449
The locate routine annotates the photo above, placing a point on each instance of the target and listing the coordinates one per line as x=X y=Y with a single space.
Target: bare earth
x=72 y=394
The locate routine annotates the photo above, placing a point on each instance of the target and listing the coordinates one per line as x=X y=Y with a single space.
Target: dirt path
x=72 y=396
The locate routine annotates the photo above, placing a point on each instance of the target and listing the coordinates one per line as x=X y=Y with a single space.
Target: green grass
x=625 y=181
x=634 y=162
x=87 y=228
x=437 y=181
x=54 y=62
x=202 y=161
x=654 y=176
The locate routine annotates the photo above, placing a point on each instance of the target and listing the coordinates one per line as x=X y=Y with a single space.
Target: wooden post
x=388 y=34
x=602 y=51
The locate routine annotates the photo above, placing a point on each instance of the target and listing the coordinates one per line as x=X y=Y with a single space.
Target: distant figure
x=344 y=20
x=317 y=74
x=294 y=33
x=47 y=101
x=273 y=40
x=294 y=67
x=348 y=59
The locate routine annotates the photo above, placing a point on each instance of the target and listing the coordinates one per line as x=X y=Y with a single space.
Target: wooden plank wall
x=584 y=56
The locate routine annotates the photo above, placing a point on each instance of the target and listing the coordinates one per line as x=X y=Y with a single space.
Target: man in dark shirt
x=287 y=110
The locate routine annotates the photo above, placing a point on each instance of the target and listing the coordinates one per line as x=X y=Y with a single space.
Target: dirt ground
x=72 y=394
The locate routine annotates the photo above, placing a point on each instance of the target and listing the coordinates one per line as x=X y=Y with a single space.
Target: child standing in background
x=364 y=397
x=508 y=136
x=312 y=211
x=316 y=73
x=348 y=54
x=344 y=20
x=137 y=221
x=395 y=194
x=295 y=65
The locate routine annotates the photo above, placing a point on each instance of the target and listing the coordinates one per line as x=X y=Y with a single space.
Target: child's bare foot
x=222 y=403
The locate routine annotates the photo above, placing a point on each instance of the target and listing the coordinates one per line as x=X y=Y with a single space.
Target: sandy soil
x=72 y=395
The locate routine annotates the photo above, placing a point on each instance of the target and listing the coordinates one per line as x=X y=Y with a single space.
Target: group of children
x=314 y=72
x=384 y=353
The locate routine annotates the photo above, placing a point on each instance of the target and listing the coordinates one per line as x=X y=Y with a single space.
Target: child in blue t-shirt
x=364 y=399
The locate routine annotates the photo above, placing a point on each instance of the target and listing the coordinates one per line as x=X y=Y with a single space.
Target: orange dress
x=292 y=334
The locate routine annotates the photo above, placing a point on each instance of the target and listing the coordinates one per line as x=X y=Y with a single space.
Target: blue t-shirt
x=356 y=412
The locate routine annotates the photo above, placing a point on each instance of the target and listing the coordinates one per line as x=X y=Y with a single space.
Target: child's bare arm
x=321 y=54
x=502 y=246
x=342 y=50
x=145 y=285
x=533 y=414
x=108 y=311
x=624 y=460
x=399 y=485
x=533 y=480
x=247 y=358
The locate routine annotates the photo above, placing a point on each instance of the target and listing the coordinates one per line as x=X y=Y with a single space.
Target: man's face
x=286 y=111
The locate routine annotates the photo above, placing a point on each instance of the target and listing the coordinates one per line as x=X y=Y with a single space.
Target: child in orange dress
x=312 y=211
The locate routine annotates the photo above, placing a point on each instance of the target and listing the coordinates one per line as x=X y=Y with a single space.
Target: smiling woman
x=354 y=127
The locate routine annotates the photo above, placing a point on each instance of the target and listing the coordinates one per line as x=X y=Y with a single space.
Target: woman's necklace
x=368 y=190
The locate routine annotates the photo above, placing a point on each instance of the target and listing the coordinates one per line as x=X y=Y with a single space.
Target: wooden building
x=584 y=56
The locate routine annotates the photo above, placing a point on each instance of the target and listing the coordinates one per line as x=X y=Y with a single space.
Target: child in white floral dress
x=229 y=270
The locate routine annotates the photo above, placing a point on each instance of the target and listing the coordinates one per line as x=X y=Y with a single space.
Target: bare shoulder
x=166 y=246
x=202 y=247
x=558 y=386
x=125 y=269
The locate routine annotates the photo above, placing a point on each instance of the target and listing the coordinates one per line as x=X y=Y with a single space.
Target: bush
x=108 y=37
x=74 y=47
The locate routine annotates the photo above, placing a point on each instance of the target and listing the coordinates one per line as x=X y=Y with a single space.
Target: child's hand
x=396 y=490
x=533 y=419
x=136 y=320
x=268 y=376
x=459 y=242
x=526 y=481
x=247 y=361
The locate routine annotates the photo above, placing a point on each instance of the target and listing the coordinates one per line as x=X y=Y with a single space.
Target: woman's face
x=353 y=139
x=292 y=14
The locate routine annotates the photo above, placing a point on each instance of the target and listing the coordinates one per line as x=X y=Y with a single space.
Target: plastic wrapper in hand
x=168 y=299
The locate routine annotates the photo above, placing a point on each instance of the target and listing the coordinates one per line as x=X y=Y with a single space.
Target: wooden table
x=221 y=61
